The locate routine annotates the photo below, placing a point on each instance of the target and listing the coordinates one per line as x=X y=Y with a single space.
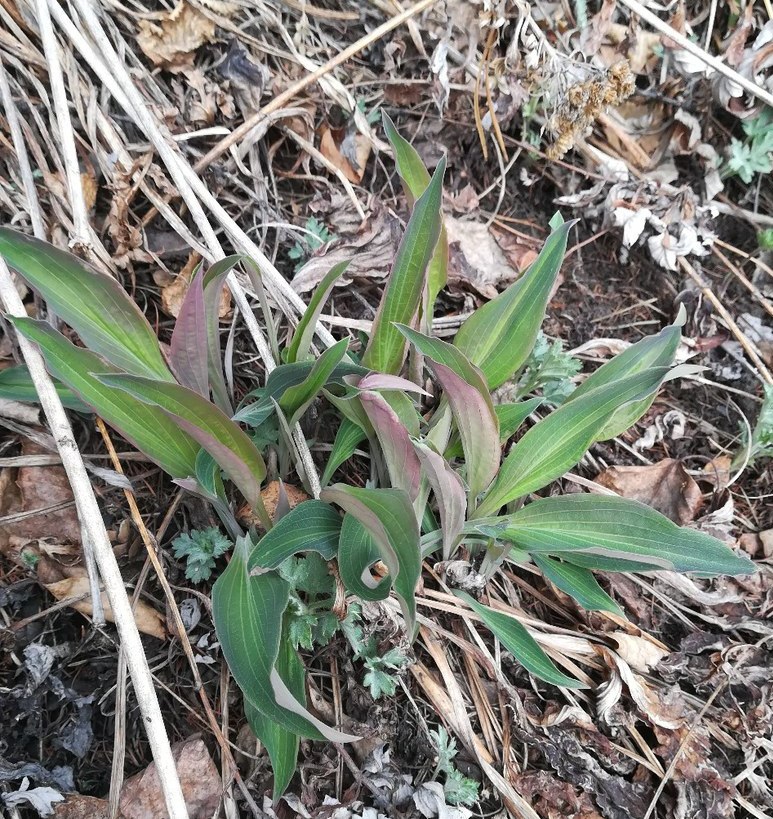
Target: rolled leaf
x=357 y=552
x=304 y=332
x=247 y=612
x=146 y=427
x=389 y=517
x=295 y=400
x=517 y=640
x=616 y=528
x=92 y=303
x=498 y=337
x=347 y=439
x=16 y=384
x=206 y=424
x=402 y=295
x=560 y=440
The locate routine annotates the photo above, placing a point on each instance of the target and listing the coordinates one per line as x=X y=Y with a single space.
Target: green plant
x=200 y=548
x=754 y=154
x=446 y=479
x=316 y=235
x=760 y=445
x=458 y=789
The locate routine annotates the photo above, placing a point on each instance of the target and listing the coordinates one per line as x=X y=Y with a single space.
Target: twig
x=81 y=234
x=728 y=319
x=750 y=286
x=91 y=521
x=710 y=60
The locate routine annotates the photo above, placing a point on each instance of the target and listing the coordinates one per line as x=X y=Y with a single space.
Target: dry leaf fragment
x=350 y=155
x=171 y=43
x=149 y=621
x=173 y=294
x=664 y=486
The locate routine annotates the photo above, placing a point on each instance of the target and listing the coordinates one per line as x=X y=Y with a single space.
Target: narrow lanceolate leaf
x=415 y=178
x=499 y=336
x=653 y=351
x=559 y=441
x=281 y=744
x=402 y=295
x=517 y=640
x=188 y=347
x=213 y=282
x=348 y=438
x=401 y=460
x=247 y=612
x=449 y=492
x=296 y=400
x=389 y=517
x=577 y=582
x=146 y=427
x=510 y=417
x=92 y=303
x=616 y=528
x=16 y=384
x=225 y=441
x=312 y=526
x=382 y=381
x=357 y=552
x=304 y=332
x=470 y=401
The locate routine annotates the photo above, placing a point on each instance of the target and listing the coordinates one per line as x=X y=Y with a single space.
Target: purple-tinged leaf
x=389 y=517
x=449 y=493
x=213 y=285
x=478 y=429
x=225 y=441
x=401 y=460
x=188 y=347
x=381 y=381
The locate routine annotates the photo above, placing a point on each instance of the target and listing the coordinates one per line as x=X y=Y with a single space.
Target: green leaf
x=304 y=332
x=357 y=552
x=415 y=178
x=348 y=437
x=16 y=384
x=402 y=295
x=296 y=399
x=559 y=441
x=312 y=526
x=92 y=303
x=577 y=583
x=510 y=417
x=188 y=346
x=653 y=351
x=282 y=745
x=389 y=517
x=147 y=428
x=618 y=528
x=247 y=612
x=517 y=640
x=205 y=423
x=498 y=336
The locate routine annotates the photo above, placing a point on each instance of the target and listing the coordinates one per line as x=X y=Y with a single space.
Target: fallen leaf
x=149 y=621
x=76 y=806
x=170 y=42
x=664 y=486
x=142 y=798
x=275 y=495
x=718 y=471
x=350 y=155
x=173 y=293
x=641 y=652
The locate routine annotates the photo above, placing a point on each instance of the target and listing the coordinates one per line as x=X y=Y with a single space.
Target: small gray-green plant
x=452 y=474
x=316 y=235
x=761 y=443
x=458 y=788
x=200 y=548
x=754 y=154
x=550 y=370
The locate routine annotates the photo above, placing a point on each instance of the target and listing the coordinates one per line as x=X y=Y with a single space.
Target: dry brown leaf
x=171 y=42
x=274 y=494
x=142 y=797
x=149 y=621
x=350 y=156
x=664 y=486
x=173 y=294
x=641 y=652
x=76 y=806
